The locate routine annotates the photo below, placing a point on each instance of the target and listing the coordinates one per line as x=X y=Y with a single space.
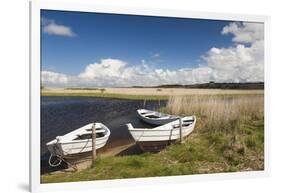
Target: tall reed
x=218 y=112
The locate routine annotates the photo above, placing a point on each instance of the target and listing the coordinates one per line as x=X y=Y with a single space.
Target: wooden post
x=144 y=101
x=180 y=120
x=94 y=154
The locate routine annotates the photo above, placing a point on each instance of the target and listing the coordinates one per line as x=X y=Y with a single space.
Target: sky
x=110 y=50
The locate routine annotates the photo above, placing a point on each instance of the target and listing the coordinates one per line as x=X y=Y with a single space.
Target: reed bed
x=219 y=112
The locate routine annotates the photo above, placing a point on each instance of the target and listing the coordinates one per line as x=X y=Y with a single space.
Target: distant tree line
x=214 y=85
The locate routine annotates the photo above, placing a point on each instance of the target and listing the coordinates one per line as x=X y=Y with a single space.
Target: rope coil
x=56 y=162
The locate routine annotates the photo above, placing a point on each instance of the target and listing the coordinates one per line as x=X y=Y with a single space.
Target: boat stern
x=129 y=126
x=54 y=147
x=132 y=131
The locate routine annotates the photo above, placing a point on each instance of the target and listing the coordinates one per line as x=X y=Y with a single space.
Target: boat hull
x=72 y=143
x=64 y=149
x=159 y=135
x=158 y=138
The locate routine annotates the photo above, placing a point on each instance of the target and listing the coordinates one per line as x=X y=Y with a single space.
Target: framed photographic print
x=124 y=96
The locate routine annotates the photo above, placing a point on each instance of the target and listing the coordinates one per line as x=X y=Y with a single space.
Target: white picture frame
x=36 y=6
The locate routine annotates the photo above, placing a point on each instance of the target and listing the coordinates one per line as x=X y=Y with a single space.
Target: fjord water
x=61 y=115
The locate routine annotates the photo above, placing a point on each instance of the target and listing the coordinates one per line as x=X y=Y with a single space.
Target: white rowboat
x=79 y=140
x=155 y=118
x=149 y=139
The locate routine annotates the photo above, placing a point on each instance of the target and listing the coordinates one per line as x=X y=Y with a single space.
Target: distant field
x=144 y=93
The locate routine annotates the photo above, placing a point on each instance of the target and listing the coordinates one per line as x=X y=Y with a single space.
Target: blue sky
x=77 y=39
x=178 y=42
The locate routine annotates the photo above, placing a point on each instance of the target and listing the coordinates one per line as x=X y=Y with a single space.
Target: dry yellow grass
x=218 y=111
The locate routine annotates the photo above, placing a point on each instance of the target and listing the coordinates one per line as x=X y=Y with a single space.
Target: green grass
x=203 y=152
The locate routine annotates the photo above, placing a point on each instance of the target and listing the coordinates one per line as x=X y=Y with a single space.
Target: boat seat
x=183 y=125
x=186 y=121
x=97 y=131
x=99 y=128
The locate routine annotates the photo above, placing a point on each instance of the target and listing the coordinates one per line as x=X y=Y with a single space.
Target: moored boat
x=157 y=138
x=79 y=140
x=154 y=117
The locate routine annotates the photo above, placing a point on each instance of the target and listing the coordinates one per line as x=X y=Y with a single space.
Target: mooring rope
x=53 y=164
x=60 y=159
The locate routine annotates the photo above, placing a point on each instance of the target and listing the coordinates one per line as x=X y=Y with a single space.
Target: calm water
x=60 y=115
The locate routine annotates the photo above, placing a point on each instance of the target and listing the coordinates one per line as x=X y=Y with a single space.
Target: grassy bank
x=228 y=137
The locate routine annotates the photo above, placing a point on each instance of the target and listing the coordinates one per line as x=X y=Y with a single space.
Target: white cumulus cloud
x=241 y=62
x=107 y=67
x=52 y=28
x=245 y=32
x=54 y=78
